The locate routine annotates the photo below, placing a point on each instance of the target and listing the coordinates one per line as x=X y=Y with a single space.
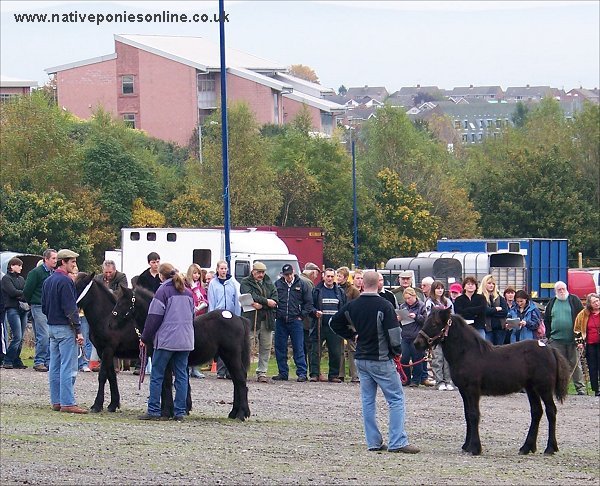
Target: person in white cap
x=59 y=303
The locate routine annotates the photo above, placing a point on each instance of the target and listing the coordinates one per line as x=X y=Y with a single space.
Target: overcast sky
x=391 y=44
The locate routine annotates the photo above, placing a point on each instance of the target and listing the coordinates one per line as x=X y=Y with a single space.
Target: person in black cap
x=294 y=301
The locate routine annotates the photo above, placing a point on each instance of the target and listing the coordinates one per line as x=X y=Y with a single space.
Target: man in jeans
x=371 y=321
x=293 y=303
x=59 y=303
x=33 y=295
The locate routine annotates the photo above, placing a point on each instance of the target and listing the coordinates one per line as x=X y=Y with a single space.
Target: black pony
x=97 y=303
x=479 y=368
x=217 y=332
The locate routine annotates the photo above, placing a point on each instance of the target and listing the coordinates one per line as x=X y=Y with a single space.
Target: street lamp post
x=354 y=208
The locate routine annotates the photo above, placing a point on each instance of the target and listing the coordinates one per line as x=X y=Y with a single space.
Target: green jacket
x=260 y=293
x=33 y=285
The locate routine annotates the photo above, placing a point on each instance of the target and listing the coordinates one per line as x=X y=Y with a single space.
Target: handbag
x=541 y=331
x=24 y=306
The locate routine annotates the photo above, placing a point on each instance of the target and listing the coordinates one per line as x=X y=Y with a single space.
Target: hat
x=405 y=274
x=456 y=287
x=287 y=269
x=311 y=266
x=64 y=254
x=259 y=266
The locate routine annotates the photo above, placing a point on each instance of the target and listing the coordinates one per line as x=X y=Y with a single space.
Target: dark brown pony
x=217 y=332
x=479 y=368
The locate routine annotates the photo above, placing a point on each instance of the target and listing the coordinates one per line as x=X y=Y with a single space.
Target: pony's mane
x=484 y=344
x=143 y=293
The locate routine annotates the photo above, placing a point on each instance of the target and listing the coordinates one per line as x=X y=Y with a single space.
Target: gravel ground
x=299 y=433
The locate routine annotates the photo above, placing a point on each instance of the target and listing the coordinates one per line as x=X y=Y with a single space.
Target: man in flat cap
x=258 y=284
x=59 y=303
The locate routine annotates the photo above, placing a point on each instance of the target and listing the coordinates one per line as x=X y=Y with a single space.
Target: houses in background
x=10 y=87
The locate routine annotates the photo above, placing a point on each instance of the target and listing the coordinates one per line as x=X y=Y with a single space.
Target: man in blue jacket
x=294 y=302
x=372 y=322
x=59 y=304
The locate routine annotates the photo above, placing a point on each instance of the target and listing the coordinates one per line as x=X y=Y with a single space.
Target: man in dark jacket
x=149 y=278
x=258 y=284
x=559 y=319
x=372 y=322
x=293 y=303
x=33 y=295
x=328 y=298
x=111 y=277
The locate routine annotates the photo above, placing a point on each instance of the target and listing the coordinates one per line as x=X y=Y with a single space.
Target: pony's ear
x=445 y=314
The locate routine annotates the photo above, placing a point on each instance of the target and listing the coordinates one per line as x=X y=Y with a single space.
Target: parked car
x=581 y=283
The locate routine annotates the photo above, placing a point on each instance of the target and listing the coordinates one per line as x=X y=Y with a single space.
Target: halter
x=441 y=336
x=127 y=314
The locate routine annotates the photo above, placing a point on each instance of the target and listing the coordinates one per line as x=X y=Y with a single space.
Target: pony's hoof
x=550 y=451
x=95 y=409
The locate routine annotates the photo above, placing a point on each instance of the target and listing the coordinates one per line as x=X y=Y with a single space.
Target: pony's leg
x=472 y=415
x=106 y=361
x=536 y=414
x=552 y=446
x=167 y=406
x=467 y=443
x=115 y=397
x=240 y=409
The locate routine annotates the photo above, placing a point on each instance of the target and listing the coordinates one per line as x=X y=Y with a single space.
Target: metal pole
x=199 y=142
x=224 y=130
x=354 y=210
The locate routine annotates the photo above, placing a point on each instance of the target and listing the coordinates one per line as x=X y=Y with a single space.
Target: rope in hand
x=143 y=362
x=400 y=367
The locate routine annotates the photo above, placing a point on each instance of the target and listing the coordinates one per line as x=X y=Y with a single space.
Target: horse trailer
x=447 y=270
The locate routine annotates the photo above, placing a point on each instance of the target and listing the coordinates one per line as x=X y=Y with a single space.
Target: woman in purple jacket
x=169 y=328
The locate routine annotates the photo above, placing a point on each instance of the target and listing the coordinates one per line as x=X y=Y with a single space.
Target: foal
x=479 y=368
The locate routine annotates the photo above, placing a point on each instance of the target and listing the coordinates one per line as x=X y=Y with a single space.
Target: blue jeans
x=179 y=362
x=40 y=327
x=84 y=359
x=17 y=320
x=63 y=365
x=496 y=337
x=410 y=352
x=384 y=375
x=295 y=330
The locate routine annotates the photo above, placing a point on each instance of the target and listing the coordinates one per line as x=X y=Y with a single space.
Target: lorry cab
x=580 y=283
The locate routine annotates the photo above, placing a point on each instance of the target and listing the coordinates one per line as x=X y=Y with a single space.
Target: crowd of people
x=362 y=325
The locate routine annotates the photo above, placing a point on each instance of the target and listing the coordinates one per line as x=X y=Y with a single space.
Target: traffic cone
x=94 y=365
x=213 y=367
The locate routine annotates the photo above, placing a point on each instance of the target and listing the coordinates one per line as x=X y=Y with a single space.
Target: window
x=490 y=123
x=514 y=246
x=7 y=96
x=151 y=236
x=171 y=236
x=481 y=123
x=498 y=123
x=465 y=138
x=129 y=119
x=480 y=136
x=275 y=108
x=134 y=236
x=491 y=246
x=206 y=82
x=466 y=124
x=202 y=257
x=127 y=84
x=473 y=137
x=242 y=269
x=457 y=124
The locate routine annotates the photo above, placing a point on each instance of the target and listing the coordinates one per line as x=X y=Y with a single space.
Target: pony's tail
x=563 y=375
x=246 y=345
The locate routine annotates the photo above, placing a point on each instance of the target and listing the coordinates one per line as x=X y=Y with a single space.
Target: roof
x=414 y=90
x=321 y=103
x=475 y=90
x=8 y=82
x=314 y=89
x=529 y=91
x=196 y=52
x=85 y=62
x=375 y=92
x=261 y=79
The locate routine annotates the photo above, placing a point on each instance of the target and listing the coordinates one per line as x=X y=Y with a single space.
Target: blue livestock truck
x=533 y=264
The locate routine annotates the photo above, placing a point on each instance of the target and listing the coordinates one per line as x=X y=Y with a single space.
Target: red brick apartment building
x=10 y=87
x=167 y=85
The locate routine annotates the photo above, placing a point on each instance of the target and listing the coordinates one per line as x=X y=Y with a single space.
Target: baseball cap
x=287 y=269
x=456 y=287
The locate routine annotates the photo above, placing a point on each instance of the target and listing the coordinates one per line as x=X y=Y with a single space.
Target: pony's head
x=435 y=329
x=132 y=305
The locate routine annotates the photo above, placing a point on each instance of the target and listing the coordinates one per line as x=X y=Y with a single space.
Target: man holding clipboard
x=259 y=302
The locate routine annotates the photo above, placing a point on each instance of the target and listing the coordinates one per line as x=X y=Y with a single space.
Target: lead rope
x=143 y=361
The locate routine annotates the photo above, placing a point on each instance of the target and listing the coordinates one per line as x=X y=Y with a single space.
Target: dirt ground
x=299 y=433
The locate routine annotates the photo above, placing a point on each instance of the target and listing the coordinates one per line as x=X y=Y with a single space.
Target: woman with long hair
x=529 y=316
x=170 y=328
x=495 y=311
x=194 y=280
x=588 y=324
x=439 y=365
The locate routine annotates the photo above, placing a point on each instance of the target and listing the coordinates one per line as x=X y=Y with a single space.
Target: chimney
x=418 y=86
x=527 y=86
x=471 y=86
